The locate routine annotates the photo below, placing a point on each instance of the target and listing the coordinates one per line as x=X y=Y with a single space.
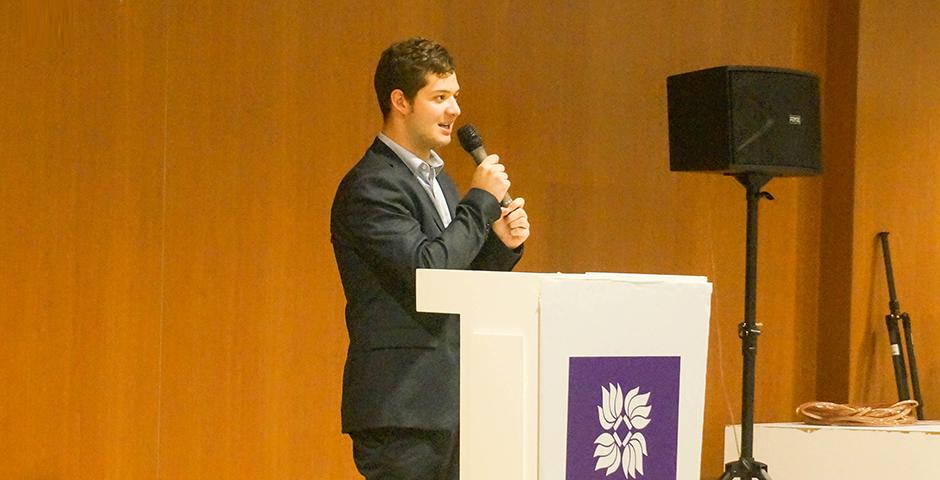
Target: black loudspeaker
x=743 y=119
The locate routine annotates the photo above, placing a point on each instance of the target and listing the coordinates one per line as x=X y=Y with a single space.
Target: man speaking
x=394 y=212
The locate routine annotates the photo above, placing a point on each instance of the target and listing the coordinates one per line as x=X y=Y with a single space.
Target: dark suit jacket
x=402 y=368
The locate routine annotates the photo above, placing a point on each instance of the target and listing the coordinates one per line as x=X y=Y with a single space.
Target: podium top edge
x=608 y=276
x=645 y=277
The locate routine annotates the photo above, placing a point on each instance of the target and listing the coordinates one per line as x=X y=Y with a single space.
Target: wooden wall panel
x=81 y=240
x=167 y=171
x=835 y=286
x=897 y=153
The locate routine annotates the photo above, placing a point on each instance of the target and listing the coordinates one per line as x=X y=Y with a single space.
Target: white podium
x=576 y=376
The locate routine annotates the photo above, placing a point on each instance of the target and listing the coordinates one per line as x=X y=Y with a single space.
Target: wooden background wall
x=897 y=169
x=169 y=303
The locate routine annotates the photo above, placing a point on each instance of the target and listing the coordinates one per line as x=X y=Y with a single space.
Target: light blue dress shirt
x=425 y=172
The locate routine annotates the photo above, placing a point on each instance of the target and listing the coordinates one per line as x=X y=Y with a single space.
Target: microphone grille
x=470 y=140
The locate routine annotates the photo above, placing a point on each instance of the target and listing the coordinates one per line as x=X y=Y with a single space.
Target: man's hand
x=491 y=176
x=512 y=228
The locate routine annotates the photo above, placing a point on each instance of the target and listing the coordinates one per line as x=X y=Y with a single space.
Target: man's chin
x=437 y=141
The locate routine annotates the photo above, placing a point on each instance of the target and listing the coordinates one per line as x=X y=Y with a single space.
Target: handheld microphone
x=472 y=142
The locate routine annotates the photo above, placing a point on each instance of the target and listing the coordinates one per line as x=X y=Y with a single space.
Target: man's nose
x=453 y=108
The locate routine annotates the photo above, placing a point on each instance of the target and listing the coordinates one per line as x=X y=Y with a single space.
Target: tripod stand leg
x=745 y=469
x=763 y=475
x=897 y=357
x=912 y=363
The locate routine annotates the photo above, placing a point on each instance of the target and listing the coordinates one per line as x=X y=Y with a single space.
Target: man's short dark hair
x=404 y=65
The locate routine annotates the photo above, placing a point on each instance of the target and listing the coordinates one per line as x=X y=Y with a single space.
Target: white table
x=797 y=451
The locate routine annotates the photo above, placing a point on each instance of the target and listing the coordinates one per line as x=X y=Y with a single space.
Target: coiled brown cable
x=826 y=413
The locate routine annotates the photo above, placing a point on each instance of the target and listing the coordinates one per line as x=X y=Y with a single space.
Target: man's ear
x=399 y=102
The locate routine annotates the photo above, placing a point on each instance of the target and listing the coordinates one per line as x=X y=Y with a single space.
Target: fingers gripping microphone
x=472 y=142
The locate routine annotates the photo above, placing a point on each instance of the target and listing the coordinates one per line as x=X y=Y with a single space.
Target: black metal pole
x=749 y=330
x=746 y=468
x=893 y=303
x=915 y=378
x=891 y=323
x=897 y=357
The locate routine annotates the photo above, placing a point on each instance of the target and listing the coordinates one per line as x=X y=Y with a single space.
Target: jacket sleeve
x=496 y=256
x=376 y=216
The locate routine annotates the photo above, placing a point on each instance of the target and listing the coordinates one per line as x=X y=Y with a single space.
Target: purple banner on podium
x=623 y=418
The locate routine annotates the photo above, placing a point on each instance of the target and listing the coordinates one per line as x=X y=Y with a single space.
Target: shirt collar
x=412 y=161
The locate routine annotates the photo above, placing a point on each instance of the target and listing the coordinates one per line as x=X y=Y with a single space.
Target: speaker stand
x=746 y=468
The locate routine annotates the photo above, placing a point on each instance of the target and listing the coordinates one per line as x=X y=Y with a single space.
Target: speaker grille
x=744 y=119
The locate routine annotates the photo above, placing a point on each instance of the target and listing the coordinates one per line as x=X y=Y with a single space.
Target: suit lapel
x=408 y=178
